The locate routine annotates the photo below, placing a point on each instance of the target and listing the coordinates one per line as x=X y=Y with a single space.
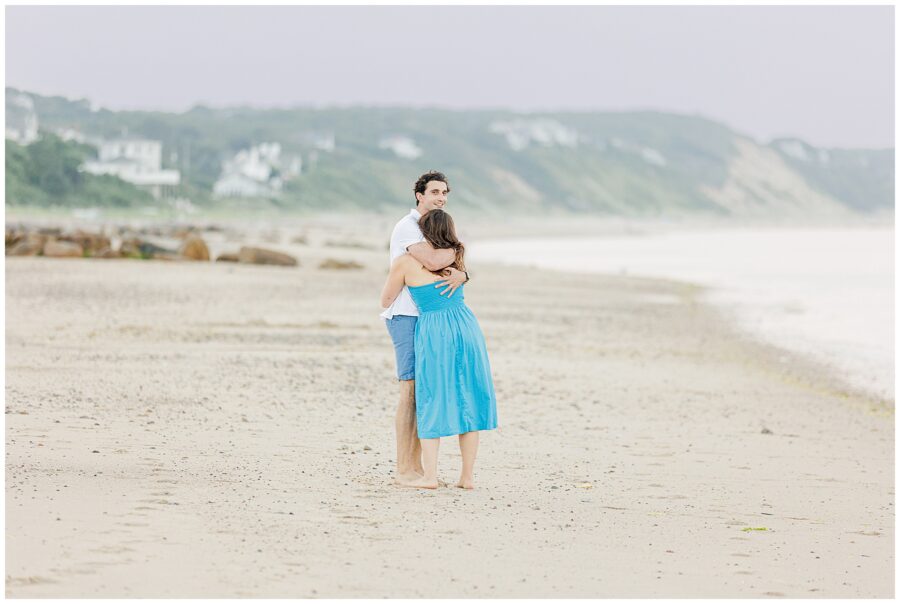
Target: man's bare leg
x=409 y=450
x=468 y=446
x=430 y=454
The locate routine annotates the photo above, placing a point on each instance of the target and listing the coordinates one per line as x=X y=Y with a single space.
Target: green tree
x=47 y=172
x=53 y=165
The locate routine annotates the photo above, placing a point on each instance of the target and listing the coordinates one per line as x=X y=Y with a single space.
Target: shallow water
x=826 y=293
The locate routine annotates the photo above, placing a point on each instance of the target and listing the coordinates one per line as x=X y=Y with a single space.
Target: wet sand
x=220 y=430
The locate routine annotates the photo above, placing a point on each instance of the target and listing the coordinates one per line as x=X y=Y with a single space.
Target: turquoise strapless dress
x=454 y=389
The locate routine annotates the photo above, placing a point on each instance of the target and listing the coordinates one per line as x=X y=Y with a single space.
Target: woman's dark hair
x=426 y=178
x=438 y=230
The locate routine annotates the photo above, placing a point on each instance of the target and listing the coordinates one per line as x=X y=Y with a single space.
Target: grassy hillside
x=45 y=173
x=632 y=163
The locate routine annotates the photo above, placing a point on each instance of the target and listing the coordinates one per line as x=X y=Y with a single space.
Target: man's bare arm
x=432 y=259
x=452 y=280
x=394 y=283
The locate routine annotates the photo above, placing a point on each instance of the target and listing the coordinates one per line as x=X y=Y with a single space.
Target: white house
x=21 y=119
x=402 y=146
x=71 y=134
x=134 y=160
x=259 y=171
x=520 y=133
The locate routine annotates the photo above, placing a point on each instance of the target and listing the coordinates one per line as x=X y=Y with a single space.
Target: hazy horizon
x=821 y=74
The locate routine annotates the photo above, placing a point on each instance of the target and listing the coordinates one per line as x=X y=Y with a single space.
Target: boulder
x=24 y=248
x=107 y=253
x=258 y=255
x=194 y=248
x=90 y=242
x=332 y=264
x=136 y=248
x=228 y=258
x=29 y=245
x=13 y=236
x=131 y=248
x=62 y=249
x=151 y=250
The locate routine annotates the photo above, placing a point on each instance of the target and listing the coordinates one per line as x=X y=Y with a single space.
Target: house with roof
x=134 y=160
x=259 y=171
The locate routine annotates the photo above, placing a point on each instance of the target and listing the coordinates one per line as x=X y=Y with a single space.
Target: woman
x=454 y=389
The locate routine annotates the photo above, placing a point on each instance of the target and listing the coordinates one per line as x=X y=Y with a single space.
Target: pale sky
x=824 y=74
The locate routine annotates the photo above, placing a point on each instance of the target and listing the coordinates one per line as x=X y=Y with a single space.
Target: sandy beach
x=222 y=430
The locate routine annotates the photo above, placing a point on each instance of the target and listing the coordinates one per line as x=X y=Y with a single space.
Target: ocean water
x=825 y=293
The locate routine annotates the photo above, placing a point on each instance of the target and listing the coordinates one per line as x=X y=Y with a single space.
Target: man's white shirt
x=405 y=233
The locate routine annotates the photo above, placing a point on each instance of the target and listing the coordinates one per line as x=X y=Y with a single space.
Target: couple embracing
x=442 y=364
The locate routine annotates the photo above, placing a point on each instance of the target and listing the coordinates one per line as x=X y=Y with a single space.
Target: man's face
x=434 y=197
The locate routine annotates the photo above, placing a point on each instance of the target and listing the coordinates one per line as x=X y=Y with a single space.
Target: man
x=431 y=190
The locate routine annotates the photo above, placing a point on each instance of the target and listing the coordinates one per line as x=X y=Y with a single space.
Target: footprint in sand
x=159 y=501
x=33 y=580
x=112 y=549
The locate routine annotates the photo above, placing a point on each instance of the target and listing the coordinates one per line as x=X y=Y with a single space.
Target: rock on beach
x=63 y=249
x=258 y=255
x=194 y=248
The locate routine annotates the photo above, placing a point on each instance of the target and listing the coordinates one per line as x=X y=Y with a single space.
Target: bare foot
x=422 y=483
x=407 y=477
x=466 y=483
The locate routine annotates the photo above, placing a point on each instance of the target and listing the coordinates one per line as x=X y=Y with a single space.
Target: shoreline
x=807 y=368
x=761 y=319
x=244 y=443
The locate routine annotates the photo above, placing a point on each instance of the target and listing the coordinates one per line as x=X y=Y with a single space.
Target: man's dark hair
x=427 y=178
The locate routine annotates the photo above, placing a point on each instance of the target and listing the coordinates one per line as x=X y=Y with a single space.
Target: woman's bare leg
x=468 y=446
x=429 y=458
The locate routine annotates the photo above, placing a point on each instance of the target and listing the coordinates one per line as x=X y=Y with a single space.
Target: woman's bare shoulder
x=406 y=261
x=412 y=270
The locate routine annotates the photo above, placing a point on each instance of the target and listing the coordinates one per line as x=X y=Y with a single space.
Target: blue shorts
x=403 y=332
